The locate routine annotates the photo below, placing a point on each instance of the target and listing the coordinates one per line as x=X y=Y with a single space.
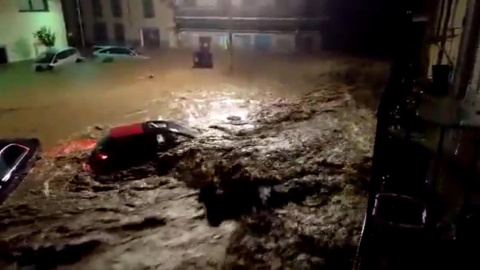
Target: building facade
x=19 y=19
x=124 y=22
x=266 y=25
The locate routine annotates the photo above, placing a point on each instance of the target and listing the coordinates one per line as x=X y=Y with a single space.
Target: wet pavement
x=275 y=180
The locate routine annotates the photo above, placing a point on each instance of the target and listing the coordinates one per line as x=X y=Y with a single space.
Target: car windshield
x=46 y=58
x=3 y=168
x=104 y=144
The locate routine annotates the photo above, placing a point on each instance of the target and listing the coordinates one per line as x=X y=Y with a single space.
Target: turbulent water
x=278 y=187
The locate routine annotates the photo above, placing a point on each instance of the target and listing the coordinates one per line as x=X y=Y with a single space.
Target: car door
x=12 y=159
x=72 y=56
x=61 y=59
x=122 y=53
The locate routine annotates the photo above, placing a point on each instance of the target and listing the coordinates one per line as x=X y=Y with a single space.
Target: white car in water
x=114 y=53
x=54 y=58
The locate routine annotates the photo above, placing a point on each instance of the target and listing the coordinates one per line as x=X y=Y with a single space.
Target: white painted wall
x=16 y=29
x=132 y=18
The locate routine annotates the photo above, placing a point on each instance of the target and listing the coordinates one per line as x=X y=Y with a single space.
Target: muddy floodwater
x=53 y=105
x=275 y=180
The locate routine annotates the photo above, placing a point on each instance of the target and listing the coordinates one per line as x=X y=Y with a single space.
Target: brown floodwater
x=54 y=105
x=296 y=151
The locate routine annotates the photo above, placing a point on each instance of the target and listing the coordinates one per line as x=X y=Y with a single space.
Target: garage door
x=263 y=42
x=151 y=36
x=242 y=42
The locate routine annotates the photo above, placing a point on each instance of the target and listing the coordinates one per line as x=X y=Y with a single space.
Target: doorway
x=3 y=55
x=100 y=33
x=119 y=31
x=151 y=36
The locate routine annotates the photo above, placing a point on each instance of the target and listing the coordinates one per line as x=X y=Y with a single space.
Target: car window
x=4 y=169
x=9 y=156
x=46 y=58
x=63 y=55
x=120 y=51
x=71 y=52
x=105 y=144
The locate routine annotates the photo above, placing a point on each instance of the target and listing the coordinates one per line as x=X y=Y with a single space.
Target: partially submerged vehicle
x=17 y=157
x=130 y=145
x=116 y=53
x=55 y=58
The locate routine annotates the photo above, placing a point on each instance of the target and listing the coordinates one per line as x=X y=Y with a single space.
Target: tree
x=45 y=36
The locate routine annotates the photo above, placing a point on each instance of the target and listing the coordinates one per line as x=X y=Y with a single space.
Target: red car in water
x=134 y=144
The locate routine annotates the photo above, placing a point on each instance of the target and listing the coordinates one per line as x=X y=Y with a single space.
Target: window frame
x=116 y=31
x=62 y=55
x=11 y=168
x=97 y=8
x=121 y=49
x=31 y=9
x=148 y=14
x=116 y=13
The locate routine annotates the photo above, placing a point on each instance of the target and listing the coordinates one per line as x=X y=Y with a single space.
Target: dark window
x=119 y=51
x=46 y=58
x=33 y=5
x=97 y=8
x=100 y=32
x=116 y=8
x=105 y=145
x=148 y=9
x=119 y=31
x=71 y=52
x=65 y=54
x=10 y=155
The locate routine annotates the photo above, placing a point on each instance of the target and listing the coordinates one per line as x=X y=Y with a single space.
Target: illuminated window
x=148 y=9
x=33 y=5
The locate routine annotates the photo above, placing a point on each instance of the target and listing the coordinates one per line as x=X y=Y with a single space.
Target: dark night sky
x=366 y=26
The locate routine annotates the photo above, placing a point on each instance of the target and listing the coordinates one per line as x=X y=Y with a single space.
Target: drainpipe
x=230 y=34
x=446 y=24
x=466 y=54
x=80 y=23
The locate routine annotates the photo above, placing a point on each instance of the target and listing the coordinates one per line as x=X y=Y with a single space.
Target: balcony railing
x=249 y=24
x=295 y=11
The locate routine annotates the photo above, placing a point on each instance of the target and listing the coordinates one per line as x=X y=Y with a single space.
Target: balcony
x=239 y=24
x=296 y=9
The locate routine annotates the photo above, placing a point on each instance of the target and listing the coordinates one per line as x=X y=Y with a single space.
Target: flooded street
x=53 y=105
x=275 y=180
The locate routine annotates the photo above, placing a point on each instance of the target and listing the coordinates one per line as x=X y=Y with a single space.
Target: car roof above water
x=127 y=130
x=102 y=47
x=57 y=50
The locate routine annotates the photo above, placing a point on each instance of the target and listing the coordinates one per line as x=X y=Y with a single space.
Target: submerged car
x=55 y=58
x=114 y=53
x=16 y=159
x=130 y=145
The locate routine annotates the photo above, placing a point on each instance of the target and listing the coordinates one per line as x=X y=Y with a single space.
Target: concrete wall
x=133 y=20
x=16 y=29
